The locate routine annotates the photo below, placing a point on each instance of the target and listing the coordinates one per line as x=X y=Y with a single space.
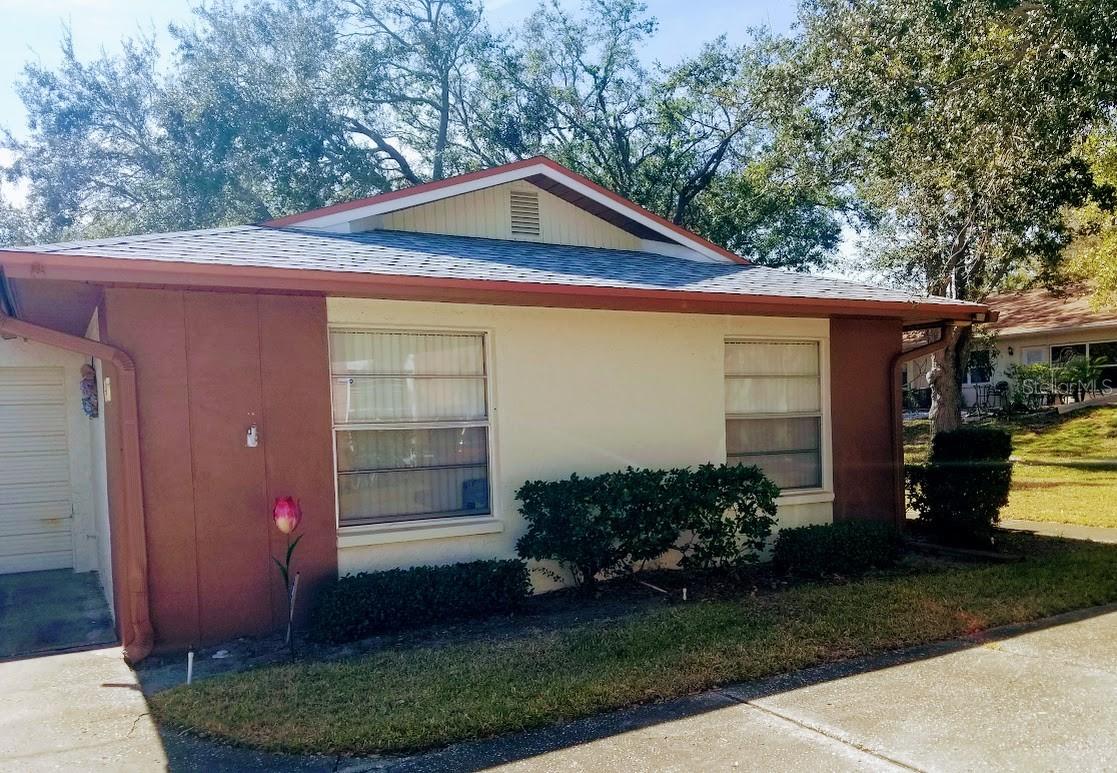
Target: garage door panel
x=31 y=443
x=34 y=517
x=31 y=419
x=51 y=378
x=36 y=562
x=29 y=394
x=34 y=492
x=48 y=542
x=34 y=468
x=36 y=514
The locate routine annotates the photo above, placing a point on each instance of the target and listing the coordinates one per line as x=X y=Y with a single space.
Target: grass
x=1086 y=434
x=410 y=699
x=1085 y=497
x=1042 y=491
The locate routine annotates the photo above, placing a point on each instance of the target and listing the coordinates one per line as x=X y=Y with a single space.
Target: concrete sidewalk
x=1034 y=697
x=75 y=711
x=1067 y=530
x=1042 y=699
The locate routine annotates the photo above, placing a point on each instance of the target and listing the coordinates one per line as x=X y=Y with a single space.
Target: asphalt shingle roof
x=459 y=257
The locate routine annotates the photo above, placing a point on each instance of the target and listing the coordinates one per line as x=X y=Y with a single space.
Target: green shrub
x=361 y=605
x=846 y=548
x=1031 y=385
x=605 y=525
x=970 y=444
x=728 y=511
x=597 y=526
x=960 y=492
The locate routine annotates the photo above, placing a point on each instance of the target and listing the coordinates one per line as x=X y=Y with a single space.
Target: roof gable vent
x=525 y=213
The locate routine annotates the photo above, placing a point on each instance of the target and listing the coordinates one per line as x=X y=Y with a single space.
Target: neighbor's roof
x=1039 y=311
x=388 y=256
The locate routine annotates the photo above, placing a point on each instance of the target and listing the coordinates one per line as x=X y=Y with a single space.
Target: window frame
x=825 y=491
x=991 y=367
x=1089 y=345
x=432 y=526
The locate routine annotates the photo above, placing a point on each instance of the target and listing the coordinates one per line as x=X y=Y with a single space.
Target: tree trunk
x=443 y=139
x=946 y=383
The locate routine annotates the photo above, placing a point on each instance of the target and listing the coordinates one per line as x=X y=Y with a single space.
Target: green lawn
x=414 y=698
x=1084 y=495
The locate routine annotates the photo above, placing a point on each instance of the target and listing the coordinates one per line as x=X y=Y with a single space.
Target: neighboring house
x=1032 y=327
x=403 y=363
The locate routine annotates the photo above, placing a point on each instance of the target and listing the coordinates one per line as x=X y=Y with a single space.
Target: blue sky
x=31 y=29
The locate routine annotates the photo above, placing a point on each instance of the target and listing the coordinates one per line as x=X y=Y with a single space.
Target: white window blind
x=410 y=425
x=773 y=410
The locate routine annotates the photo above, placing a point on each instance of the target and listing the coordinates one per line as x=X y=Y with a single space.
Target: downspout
x=947 y=329
x=137 y=636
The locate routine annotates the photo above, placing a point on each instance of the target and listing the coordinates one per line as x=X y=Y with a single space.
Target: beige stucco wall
x=20 y=353
x=487 y=213
x=580 y=391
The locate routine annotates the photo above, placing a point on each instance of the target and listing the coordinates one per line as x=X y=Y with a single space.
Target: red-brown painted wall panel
x=150 y=326
x=230 y=505
x=861 y=352
x=296 y=436
x=208 y=366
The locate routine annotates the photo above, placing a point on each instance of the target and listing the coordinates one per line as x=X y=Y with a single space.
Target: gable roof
x=1039 y=311
x=398 y=264
x=540 y=171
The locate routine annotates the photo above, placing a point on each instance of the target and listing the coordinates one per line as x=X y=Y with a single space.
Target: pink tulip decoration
x=287 y=515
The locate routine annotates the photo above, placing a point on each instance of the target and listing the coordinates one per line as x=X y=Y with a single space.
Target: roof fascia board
x=338 y=220
x=1040 y=331
x=136 y=272
x=362 y=218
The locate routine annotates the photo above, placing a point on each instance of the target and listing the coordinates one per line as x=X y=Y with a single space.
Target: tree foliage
x=959 y=124
x=1093 y=251
x=276 y=106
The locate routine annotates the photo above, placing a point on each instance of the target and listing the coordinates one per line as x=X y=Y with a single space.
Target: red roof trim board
x=528 y=165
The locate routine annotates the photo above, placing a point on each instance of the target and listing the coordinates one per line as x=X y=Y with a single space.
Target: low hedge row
x=361 y=605
x=846 y=548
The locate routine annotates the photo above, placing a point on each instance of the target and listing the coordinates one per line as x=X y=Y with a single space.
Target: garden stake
x=291 y=607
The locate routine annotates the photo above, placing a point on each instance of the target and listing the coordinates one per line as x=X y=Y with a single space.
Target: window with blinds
x=411 y=425
x=773 y=410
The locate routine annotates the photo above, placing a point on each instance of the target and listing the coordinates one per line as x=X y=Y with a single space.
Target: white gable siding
x=487 y=213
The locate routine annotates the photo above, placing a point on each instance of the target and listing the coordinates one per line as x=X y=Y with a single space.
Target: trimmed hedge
x=360 y=605
x=960 y=492
x=603 y=526
x=971 y=444
x=846 y=548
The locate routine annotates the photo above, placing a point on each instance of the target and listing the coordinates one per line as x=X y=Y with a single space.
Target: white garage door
x=36 y=516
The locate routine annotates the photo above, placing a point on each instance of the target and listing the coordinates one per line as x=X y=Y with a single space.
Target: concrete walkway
x=1044 y=699
x=75 y=711
x=1068 y=530
x=1034 y=697
x=52 y=610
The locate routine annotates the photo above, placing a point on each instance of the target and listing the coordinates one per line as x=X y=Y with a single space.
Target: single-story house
x=401 y=364
x=1034 y=326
